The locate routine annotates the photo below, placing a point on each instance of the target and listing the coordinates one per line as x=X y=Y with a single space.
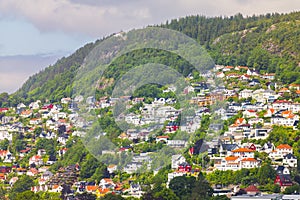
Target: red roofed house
x=286 y=119
x=185 y=167
x=32 y=172
x=26 y=113
x=37 y=160
x=39 y=188
x=5 y=169
x=270 y=112
x=269 y=76
x=240 y=121
x=243 y=153
x=252 y=147
x=163 y=138
x=232 y=75
x=227 y=68
x=3 y=154
x=241 y=68
x=281 y=150
x=220 y=75
x=249 y=163
x=284 y=90
x=281 y=105
x=92 y=188
x=294 y=86
x=236 y=163
x=3 y=110
x=2 y=177
x=24 y=152
x=35 y=121
x=252 y=190
x=245 y=77
x=286 y=113
x=48 y=106
x=231 y=163
x=112 y=168
x=56 y=188
x=250 y=113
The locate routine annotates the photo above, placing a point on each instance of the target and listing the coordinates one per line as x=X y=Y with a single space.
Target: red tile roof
x=231 y=158
x=243 y=150
x=284 y=146
x=251 y=188
x=92 y=188
x=249 y=160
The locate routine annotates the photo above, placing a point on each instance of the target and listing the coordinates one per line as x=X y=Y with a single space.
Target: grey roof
x=229 y=147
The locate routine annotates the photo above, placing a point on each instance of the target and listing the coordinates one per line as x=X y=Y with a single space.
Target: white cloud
x=49 y=15
x=99 y=18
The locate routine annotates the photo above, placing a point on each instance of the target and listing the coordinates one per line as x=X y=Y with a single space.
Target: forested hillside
x=54 y=81
x=267 y=42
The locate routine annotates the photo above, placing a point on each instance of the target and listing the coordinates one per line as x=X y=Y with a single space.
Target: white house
x=112 y=168
x=295 y=107
x=235 y=163
x=268 y=147
x=220 y=75
x=228 y=163
x=37 y=160
x=255 y=121
x=35 y=121
x=175 y=174
x=260 y=133
x=250 y=114
x=270 y=112
x=243 y=153
x=281 y=150
x=177 y=143
x=281 y=105
x=259 y=95
x=249 y=163
x=65 y=100
x=270 y=76
x=107 y=183
x=284 y=121
x=35 y=105
x=5 y=135
x=290 y=160
x=177 y=160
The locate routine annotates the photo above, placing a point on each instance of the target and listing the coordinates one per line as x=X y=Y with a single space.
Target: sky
x=35 y=33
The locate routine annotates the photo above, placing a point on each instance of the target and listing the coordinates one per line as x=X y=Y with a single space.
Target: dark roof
x=280 y=169
x=269 y=144
x=296 y=123
x=285 y=178
x=184 y=164
x=90 y=183
x=229 y=147
x=289 y=156
x=134 y=185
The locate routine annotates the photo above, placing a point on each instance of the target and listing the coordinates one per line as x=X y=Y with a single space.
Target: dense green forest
x=269 y=43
